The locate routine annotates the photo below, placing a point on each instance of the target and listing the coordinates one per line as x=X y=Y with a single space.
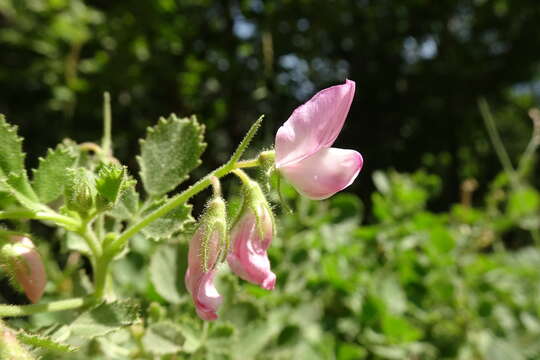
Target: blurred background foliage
x=379 y=276
x=419 y=66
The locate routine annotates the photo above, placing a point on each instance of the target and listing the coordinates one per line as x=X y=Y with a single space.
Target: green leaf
x=11 y=155
x=351 y=352
x=170 y=151
x=20 y=183
x=163 y=338
x=51 y=175
x=105 y=318
x=174 y=221
x=399 y=329
x=44 y=342
x=167 y=268
x=25 y=197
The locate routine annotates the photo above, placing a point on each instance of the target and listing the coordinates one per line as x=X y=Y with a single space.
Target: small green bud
x=80 y=191
x=111 y=182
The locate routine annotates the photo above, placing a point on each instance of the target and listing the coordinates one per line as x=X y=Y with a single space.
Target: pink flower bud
x=251 y=237
x=205 y=248
x=28 y=268
x=304 y=155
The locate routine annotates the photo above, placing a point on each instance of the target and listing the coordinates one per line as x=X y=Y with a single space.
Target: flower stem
x=106 y=141
x=90 y=237
x=216 y=186
x=173 y=203
x=193 y=190
x=247 y=163
x=496 y=141
x=23 y=310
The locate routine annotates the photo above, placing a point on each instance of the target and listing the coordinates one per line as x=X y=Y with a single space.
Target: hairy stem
x=62 y=220
x=23 y=310
x=90 y=237
x=193 y=190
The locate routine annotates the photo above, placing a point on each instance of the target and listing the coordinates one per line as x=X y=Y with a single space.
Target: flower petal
x=248 y=258
x=200 y=283
x=324 y=173
x=207 y=299
x=314 y=125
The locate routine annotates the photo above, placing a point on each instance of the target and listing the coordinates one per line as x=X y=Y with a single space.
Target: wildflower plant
x=97 y=207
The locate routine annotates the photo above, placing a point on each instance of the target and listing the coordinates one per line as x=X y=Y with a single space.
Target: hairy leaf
x=11 y=155
x=51 y=175
x=44 y=342
x=167 y=268
x=174 y=221
x=105 y=318
x=163 y=338
x=169 y=152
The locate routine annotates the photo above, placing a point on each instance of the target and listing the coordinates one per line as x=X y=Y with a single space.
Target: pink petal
x=248 y=258
x=200 y=283
x=207 y=299
x=324 y=173
x=314 y=125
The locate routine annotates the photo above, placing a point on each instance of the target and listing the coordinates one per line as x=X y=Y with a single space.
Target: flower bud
x=206 y=249
x=80 y=191
x=251 y=237
x=23 y=261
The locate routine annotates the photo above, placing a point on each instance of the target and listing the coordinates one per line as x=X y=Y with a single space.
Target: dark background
x=420 y=67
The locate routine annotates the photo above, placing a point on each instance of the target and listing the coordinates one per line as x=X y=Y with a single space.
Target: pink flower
x=200 y=274
x=303 y=153
x=28 y=268
x=250 y=240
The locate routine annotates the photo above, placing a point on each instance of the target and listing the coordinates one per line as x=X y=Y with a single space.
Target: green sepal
x=111 y=182
x=170 y=151
x=214 y=219
x=256 y=202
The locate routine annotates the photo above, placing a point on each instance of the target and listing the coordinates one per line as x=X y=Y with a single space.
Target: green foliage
x=167 y=266
x=52 y=173
x=39 y=341
x=163 y=338
x=174 y=221
x=11 y=155
x=104 y=319
x=169 y=152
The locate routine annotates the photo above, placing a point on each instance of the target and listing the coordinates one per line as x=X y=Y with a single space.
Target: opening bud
x=251 y=236
x=207 y=249
x=21 y=259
